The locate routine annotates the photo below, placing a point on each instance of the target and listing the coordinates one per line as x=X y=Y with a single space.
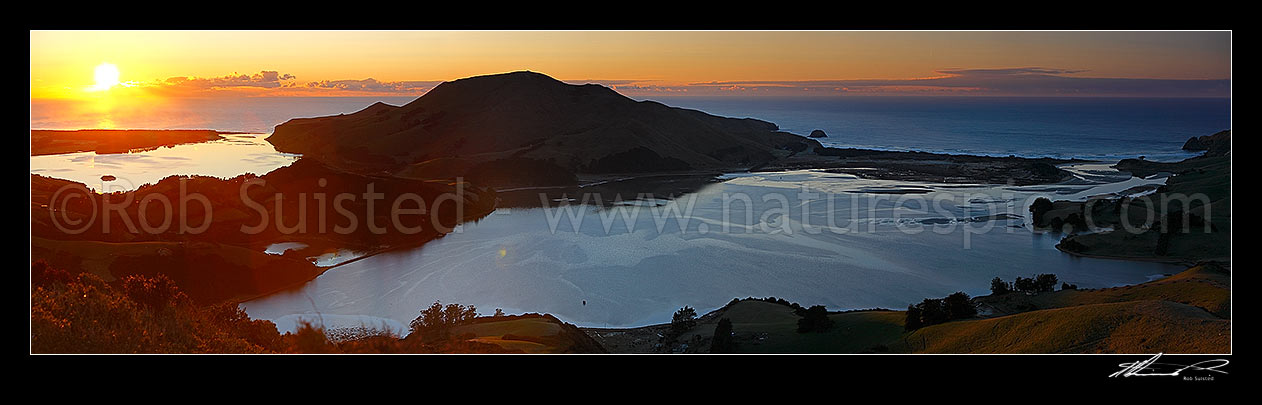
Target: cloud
x=274 y=83
x=1020 y=81
x=634 y=86
x=374 y=85
x=605 y=82
x=267 y=79
x=1010 y=81
x=1009 y=71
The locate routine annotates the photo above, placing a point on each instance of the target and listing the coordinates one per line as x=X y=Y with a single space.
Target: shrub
x=959 y=306
x=999 y=287
x=85 y=314
x=435 y=321
x=913 y=318
x=42 y=274
x=137 y=315
x=723 y=341
x=1045 y=282
x=1025 y=285
x=932 y=312
x=815 y=319
x=311 y=339
x=154 y=292
x=683 y=320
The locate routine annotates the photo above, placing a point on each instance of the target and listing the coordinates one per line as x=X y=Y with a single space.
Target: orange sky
x=409 y=62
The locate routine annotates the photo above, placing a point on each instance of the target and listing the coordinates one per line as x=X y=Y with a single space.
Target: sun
x=106 y=76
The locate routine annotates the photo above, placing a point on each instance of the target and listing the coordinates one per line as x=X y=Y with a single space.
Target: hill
x=1189 y=312
x=1207 y=286
x=1217 y=144
x=1186 y=313
x=527 y=116
x=1147 y=326
x=529 y=333
x=209 y=273
x=200 y=240
x=760 y=326
x=1186 y=220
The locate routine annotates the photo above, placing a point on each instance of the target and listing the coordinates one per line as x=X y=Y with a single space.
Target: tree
x=932 y=312
x=435 y=321
x=999 y=287
x=815 y=319
x=913 y=318
x=430 y=318
x=1067 y=286
x=1025 y=285
x=498 y=312
x=959 y=306
x=683 y=320
x=1045 y=282
x=723 y=342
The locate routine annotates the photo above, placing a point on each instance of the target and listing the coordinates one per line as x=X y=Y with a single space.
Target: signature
x=1151 y=368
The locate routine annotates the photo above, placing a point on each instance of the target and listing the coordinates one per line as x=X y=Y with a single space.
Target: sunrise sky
x=158 y=64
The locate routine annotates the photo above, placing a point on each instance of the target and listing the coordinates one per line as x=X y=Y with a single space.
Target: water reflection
x=235 y=155
x=639 y=271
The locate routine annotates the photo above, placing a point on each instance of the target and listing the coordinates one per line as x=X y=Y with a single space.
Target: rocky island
x=527 y=129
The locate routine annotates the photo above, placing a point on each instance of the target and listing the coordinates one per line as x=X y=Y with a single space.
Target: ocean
x=1106 y=129
x=1089 y=128
x=243 y=114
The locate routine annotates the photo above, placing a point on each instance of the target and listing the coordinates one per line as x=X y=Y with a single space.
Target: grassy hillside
x=1185 y=313
x=1189 y=312
x=1125 y=327
x=763 y=327
x=1206 y=286
x=530 y=333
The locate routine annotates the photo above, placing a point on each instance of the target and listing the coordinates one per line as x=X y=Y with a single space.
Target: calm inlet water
x=224 y=158
x=883 y=243
x=634 y=269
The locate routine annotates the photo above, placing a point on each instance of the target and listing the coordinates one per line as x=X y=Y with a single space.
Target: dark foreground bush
x=83 y=313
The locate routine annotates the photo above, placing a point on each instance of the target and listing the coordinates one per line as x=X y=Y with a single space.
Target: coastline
x=1178 y=261
x=108 y=141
